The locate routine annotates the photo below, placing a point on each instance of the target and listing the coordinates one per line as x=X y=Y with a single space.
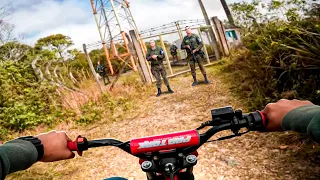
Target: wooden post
x=221 y=35
x=204 y=46
x=144 y=51
x=134 y=68
x=135 y=58
x=227 y=11
x=217 y=33
x=212 y=35
x=166 y=54
x=142 y=61
x=225 y=37
x=91 y=67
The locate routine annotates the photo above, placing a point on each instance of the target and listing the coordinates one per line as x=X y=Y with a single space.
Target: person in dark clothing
x=173 y=52
x=21 y=153
x=103 y=73
x=193 y=45
x=156 y=55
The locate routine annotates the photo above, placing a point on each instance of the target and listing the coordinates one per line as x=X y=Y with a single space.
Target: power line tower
x=114 y=19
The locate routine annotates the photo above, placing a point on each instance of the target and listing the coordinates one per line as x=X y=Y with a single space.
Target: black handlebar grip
x=257 y=121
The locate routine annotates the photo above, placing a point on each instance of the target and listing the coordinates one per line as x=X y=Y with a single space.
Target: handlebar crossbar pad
x=165 y=142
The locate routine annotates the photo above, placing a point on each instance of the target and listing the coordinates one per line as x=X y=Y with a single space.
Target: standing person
x=102 y=72
x=193 y=44
x=155 y=54
x=173 y=51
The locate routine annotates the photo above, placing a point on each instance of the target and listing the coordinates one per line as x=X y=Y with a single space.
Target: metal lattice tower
x=114 y=19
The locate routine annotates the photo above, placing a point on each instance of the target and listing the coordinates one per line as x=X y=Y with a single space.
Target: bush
x=24 y=102
x=280 y=61
x=90 y=114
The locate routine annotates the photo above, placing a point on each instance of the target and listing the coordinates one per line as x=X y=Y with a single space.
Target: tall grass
x=279 y=60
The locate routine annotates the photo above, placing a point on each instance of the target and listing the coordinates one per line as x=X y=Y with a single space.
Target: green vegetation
x=38 y=84
x=280 y=54
x=23 y=101
x=279 y=59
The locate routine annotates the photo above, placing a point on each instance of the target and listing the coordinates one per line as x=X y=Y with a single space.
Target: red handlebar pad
x=165 y=142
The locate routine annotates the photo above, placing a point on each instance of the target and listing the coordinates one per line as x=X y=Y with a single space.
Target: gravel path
x=251 y=156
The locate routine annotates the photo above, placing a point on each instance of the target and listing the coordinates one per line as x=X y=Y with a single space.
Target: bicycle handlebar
x=184 y=142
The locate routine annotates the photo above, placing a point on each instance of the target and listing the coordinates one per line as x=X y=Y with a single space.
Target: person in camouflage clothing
x=193 y=44
x=173 y=51
x=156 y=55
x=102 y=72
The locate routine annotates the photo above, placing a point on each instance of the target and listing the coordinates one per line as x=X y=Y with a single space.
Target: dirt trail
x=251 y=156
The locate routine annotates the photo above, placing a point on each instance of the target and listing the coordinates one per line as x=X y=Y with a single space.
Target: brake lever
x=215 y=122
x=203 y=125
x=228 y=137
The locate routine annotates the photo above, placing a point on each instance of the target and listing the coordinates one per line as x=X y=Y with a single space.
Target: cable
x=165 y=28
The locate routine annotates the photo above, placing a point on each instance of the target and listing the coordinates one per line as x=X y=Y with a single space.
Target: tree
x=5 y=11
x=74 y=52
x=14 y=51
x=56 y=44
x=6 y=33
x=10 y=48
x=313 y=11
x=247 y=14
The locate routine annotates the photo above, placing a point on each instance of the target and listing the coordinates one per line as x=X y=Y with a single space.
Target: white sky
x=74 y=18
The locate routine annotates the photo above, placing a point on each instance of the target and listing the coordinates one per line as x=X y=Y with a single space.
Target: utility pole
x=228 y=13
x=213 y=37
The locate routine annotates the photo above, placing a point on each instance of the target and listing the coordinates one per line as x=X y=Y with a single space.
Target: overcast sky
x=74 y=18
